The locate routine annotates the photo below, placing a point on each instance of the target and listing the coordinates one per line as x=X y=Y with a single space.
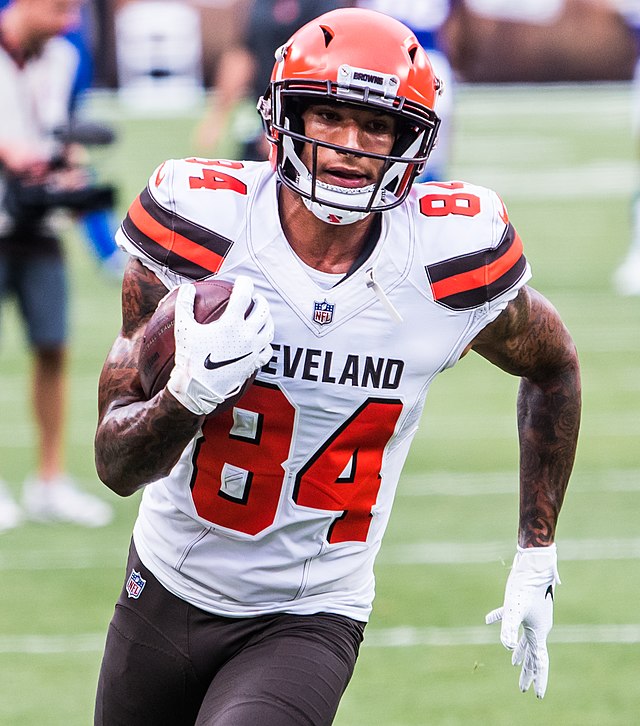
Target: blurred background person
x=231 y=126
x=626 y=278
x=97 y=226
x=38 y=70
x=426 y=18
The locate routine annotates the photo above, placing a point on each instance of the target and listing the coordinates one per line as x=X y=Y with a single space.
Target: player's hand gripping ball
x=157 y=353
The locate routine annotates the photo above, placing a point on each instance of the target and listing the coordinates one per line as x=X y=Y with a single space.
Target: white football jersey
x=280 y=504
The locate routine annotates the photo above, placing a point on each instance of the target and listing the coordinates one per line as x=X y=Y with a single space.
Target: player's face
x=355 y=128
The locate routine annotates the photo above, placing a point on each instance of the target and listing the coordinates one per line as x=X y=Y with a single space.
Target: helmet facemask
x=417 y=127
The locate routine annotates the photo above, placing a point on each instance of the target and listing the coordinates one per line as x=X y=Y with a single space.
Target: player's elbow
x=113 y=472
x=555 y=390
x=113 y=479
x=565 y=370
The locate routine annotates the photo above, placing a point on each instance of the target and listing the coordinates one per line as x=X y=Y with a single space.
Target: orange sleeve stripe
x=171 y=240
x=481 y=276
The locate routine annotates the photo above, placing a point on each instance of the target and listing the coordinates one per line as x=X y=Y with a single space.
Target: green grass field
x=563 y=161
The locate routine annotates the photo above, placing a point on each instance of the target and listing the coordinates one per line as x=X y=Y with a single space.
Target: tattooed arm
x=137 y=441
x=529 y=340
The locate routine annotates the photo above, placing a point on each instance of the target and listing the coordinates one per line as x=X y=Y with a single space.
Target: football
x=157 y=353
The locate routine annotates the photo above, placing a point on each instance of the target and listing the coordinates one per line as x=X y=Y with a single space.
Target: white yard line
x=414 y=553
x=593 y=181
x=489 y=427
x=50 y=644
x=553 y=99
x=403 y=637
x=481 y=484
x=457 y=553
x=36 y=560
x=399 y=637
x=471 y=426
x=524 y=176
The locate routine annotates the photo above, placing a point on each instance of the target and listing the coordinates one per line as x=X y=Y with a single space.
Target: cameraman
x=37 y=70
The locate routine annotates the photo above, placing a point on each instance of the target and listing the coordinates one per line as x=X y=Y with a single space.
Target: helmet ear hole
x=293 y=111
x=405 y=136
x=412 y=53
x=328 y=35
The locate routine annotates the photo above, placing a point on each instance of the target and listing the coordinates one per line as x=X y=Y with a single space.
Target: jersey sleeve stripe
x=161 y=255
x=202 y=236
x=193 y=250
x=480 y=295
x=492 y=267
x=473 y=279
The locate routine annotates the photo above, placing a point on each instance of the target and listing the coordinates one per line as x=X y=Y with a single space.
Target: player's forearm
x=548 y=424
x=141 y=442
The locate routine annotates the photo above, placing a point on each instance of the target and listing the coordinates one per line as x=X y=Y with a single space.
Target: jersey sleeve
x=473 y=256
x=159 y=231
x=488 y=277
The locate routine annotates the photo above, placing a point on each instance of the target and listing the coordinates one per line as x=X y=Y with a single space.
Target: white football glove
x=528 y=601
x=213 y=360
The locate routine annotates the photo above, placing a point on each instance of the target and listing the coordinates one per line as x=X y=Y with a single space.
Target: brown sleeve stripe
x=471 y=280
x=187 y=248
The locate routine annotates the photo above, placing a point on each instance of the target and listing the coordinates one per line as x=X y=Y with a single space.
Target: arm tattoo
x=141 y=294
x=548 y=422
x=137 y=441
x=530 y=340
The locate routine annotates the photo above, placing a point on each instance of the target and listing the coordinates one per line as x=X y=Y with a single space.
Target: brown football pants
x=169 y=663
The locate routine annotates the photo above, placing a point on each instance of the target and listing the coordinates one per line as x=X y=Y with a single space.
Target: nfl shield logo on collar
x=322 y=312
x=135 y=585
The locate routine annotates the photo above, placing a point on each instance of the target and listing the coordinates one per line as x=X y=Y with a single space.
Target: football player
x=250 y=574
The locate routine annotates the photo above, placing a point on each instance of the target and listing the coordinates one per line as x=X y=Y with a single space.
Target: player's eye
x=327 y=114
x=380 y=127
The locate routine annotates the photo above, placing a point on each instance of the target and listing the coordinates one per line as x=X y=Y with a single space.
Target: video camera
x=27 y=203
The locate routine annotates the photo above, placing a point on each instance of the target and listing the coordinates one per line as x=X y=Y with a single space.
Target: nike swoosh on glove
x=528 y=601
x=213 y=360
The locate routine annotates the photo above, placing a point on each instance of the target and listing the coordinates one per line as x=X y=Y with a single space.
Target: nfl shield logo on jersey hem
x=135 y=585
x=323 y=312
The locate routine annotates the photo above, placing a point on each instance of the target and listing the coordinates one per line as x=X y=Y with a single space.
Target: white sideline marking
x=456 y=553
x=33 y=560
x=481 y=484
x=51 y=644
x=496 y=426
x=593 y=180
x=405 y=636
x=559 y=98
x=415 y=553
x=470 y=426
x=400 y=637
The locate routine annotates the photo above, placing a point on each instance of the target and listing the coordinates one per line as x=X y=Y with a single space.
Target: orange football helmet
x=359 y=57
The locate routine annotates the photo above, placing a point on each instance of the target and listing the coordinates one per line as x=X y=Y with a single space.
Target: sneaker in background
x=626 y=279
x=10 y=513
x=60 y=500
